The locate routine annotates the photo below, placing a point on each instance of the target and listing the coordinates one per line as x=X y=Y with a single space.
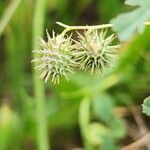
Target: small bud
x=94 y=51
x=54 y=58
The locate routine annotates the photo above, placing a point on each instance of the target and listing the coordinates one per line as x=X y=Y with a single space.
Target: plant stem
x=85 y=27
x=94 y=27
x=84 y=120
x=42 y=131
x=8 y=14
x=70 y=28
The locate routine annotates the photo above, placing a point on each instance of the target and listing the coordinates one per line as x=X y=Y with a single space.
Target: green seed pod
x=94 y=51
x=54 y=58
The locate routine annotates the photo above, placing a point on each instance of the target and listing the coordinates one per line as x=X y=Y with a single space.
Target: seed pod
x=54 y=58
x=94 y=51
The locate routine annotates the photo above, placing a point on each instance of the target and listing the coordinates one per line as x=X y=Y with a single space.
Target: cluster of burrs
x=60 y=54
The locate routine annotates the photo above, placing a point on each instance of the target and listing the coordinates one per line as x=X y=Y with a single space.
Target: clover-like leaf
x=128 y=23
x=146 y=106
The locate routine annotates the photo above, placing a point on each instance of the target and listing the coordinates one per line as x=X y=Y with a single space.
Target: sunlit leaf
x=96 y=133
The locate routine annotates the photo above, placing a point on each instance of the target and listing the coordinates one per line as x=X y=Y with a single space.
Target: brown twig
x=132 y=132
x=139 y=120
x=145 y=140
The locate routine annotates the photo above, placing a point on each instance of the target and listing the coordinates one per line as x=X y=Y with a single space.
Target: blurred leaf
x=59 y=116
x=10 y=128
x=146 y=106
x=103 y=106
x=127 y=23
x=130 y=55
x=117 y=127
x=109 y=144
x=96 y=133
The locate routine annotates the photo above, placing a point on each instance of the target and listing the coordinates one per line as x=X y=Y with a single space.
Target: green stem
x=84 y=121
x=94 y=27
x=42 y=131
x=8 y=14
x=84 y=27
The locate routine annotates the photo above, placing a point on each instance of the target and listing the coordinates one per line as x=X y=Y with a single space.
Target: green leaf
x=128 y=23
x=117 y=128
x=146 y=106
x=109 y=144
x=96 y=133
x=103 y=106
x=137 y=2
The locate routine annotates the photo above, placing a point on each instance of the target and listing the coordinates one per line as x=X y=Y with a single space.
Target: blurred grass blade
x=8 y=14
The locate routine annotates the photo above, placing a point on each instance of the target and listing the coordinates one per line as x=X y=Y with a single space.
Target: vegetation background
x=95 y=112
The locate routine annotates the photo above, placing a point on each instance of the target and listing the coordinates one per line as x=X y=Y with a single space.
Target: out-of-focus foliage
x=126 y=26
x=10 y=128
x=84 y=110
